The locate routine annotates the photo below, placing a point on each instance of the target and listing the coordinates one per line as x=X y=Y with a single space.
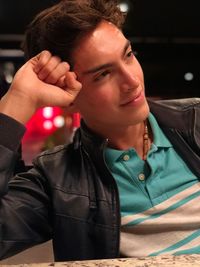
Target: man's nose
x=129 y=81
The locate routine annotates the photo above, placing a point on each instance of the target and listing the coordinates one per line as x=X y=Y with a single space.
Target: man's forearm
x=16 y=107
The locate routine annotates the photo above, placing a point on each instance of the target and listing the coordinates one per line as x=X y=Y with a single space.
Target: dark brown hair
x=60 y=27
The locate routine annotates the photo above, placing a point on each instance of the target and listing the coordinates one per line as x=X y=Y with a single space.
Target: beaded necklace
x=145 y=140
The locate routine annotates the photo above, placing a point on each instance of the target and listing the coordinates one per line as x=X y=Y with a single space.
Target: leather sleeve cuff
x=11 y=132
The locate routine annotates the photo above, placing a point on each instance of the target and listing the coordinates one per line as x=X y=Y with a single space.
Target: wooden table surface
x=161 y=261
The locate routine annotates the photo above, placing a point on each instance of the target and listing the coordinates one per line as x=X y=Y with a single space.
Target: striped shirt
x=159 y=200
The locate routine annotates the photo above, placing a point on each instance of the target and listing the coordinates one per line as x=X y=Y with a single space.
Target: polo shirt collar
x=160 y=140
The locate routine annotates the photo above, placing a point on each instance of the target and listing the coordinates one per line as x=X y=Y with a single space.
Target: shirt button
x=141 y=177
x=126 y=157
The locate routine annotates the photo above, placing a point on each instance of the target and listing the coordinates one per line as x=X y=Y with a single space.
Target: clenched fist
x=42 y=81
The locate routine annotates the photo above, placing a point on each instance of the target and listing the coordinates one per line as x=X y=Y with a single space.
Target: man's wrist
x=17 y=108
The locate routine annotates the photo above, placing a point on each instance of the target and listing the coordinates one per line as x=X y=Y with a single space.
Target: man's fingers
x=55 y=84
x=60 y=71
x=50 y=66
x=64 y=91
x=51 y=95
x=69 y=83
x=61 y=82
x=41 y=60
x=72 y=86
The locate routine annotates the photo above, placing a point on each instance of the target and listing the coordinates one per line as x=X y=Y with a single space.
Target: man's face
x=112 y=96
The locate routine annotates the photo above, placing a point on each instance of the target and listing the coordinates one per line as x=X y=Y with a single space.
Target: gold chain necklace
x=145 y=140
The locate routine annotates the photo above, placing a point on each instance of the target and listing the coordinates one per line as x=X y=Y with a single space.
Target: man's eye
x=102 y=75
x=130 y=54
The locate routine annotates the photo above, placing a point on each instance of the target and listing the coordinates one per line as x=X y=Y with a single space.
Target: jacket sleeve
x=24 y=203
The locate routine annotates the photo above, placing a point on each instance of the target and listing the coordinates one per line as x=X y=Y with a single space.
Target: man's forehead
x=103 y=35
x=104 y=42
x=93 y=66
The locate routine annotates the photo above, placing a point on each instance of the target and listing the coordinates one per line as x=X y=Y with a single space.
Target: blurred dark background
x=165 y=35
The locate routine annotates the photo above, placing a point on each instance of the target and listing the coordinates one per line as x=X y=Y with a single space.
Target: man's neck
x=124 y=138
x=131 y=138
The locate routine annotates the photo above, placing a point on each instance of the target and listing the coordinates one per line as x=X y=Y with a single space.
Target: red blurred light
x=48 y=125
x=41 y=124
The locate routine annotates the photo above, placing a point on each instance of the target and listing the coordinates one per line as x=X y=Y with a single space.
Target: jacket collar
x=89 y=138
x=177 y=114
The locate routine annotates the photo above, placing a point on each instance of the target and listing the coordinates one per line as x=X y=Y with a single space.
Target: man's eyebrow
x=98 y=68
x=107 y=65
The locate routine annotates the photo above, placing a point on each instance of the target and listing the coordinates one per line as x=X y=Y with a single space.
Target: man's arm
x=43 y=81
x=24 y=204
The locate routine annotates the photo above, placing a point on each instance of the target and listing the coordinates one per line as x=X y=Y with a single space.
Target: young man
x=128 y=185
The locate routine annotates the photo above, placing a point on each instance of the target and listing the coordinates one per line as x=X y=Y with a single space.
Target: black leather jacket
x=70 y=196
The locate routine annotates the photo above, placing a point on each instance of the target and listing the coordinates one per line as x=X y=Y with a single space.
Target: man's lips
x=133 y=99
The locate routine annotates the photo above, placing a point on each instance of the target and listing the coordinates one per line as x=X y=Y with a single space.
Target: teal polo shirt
x=159 y=199
x=143 y=184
